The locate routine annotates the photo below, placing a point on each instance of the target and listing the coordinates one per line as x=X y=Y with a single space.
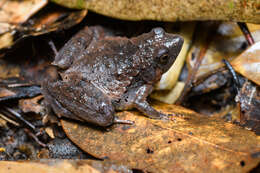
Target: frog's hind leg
x=81 y=101
x=52 y=103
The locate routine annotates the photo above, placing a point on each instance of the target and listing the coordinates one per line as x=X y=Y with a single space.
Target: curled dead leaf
x=25 y=21
x=248 y=63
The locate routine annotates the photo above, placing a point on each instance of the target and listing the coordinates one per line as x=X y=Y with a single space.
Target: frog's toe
x=164 y=116
x=119 y=121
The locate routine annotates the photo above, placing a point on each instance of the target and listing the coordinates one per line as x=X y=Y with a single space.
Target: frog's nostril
x=179 y=41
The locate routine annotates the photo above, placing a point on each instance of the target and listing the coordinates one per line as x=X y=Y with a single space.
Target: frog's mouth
x=158 y=74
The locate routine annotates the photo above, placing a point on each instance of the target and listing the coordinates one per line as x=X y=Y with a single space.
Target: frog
x=100 y=74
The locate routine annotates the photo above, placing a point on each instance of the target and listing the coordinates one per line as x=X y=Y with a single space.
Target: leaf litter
x=189 y=142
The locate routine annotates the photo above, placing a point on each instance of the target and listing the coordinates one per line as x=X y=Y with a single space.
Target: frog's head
x=160 y=48
x=166 y=48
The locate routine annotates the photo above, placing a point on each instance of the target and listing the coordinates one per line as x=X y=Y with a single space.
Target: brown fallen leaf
x=12 y=14
x=6 y=93
x=15 y=12
x=248 y=63
x=24 y=20
x=65 y=166
x=172 y=10
x=19 y=92
x=31 y=104
x=52 y=19
x=188 y=143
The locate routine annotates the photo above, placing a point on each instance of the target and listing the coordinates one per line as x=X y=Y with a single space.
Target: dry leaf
x=17 y=20
x=64 y=166
x=188 y=143
x=14 y=12
x=248 y=63
x=172 y=10
x=31 y=105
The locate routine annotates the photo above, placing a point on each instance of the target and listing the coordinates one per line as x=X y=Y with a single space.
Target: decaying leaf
x=227 y=42
x=188 y=143
x=248 y=63
x=65 y=166
x=172 y=10
x=31 y=104
x=6 y=93
x=17 y=20
x=52 y=19
x=19 y=92
x=249 y=101
x=14 y=12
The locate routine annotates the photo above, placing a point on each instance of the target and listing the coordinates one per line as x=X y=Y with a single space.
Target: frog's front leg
x=75 y=47
x=81 y=101
x=136 y=98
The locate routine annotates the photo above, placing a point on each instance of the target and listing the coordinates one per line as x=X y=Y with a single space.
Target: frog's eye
x=164 y=59
x=163 y=56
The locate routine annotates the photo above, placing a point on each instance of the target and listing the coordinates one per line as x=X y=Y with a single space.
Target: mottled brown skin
x=101 y=74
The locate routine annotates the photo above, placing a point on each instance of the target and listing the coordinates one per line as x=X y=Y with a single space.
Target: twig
x=18 y=116
x=35 y=138
x=233 y=73
x=190 y=79
x=9 y=120
x=246 y=32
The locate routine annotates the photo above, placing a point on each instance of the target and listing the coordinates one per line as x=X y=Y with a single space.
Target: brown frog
x=100 y=74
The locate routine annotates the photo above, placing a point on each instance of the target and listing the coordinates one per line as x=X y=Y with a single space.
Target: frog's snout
x=178 y=43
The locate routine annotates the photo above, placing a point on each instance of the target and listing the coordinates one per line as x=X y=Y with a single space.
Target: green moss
x=231 y=5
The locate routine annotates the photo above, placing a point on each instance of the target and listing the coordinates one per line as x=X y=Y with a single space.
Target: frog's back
x=110 y=67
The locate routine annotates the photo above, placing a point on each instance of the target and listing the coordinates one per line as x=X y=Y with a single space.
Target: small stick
x=192 y=73
x=190 y=79
x=35 y=138
x=246 y=32
x=18 y=116
x=19 y=85
x=233 y=73
x=9 y=120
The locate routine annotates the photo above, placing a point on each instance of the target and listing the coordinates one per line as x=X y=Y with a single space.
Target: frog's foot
x=136 y=98
x=149 y=111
